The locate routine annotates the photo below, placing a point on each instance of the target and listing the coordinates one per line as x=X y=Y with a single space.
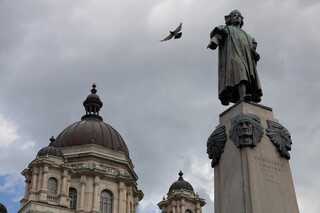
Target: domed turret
x=92 y=105
x=180 y=184
x=181 y=197
x=51 y=150
x=2 y=208
x=92 y=129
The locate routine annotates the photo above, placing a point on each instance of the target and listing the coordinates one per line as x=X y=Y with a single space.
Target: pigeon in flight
x=176 y=34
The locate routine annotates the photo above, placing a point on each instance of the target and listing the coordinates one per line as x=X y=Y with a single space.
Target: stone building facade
x=87 y=168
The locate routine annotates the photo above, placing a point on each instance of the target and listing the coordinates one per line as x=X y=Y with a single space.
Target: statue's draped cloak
x=236 y=64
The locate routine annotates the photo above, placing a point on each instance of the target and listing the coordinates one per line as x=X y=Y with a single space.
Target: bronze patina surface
x=238 y=76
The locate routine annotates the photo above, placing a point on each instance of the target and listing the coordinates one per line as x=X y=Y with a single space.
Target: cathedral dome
x=51 y=150
x=92 y=129
x=181 y=184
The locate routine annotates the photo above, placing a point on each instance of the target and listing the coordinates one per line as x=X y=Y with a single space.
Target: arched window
x=105 y=202
x=73 y=196
x=188 y=211
x=52 y=186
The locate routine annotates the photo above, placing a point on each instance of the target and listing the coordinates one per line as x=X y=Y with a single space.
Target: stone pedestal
x=252 y=179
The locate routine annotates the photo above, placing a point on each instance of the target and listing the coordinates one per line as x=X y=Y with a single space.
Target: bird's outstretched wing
x=174 y=34
x=167 y=38
x=178 y=29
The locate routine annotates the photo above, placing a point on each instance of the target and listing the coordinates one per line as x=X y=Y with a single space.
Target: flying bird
x=176 y=34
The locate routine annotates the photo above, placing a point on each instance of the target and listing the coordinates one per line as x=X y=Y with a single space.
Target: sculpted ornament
x=215 y=144
x=246 y=130
x=280 y=137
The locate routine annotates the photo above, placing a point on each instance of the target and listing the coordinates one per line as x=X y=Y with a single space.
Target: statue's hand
x=256 y=55
x=212 y=45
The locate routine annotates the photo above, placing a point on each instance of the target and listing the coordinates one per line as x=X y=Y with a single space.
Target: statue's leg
x=242 y=92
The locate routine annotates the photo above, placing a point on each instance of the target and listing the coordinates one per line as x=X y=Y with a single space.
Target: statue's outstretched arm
x=214 y=42
x=217 y=35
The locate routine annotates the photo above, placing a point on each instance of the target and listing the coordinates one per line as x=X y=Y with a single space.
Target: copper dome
x=180 y=184
x=51 y=150
x=92 y=129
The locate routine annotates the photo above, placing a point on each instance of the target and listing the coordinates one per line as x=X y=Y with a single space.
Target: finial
x=163 y=198
x=92 y=105
x=52 y=140
x=93 y=90
x=180 y=174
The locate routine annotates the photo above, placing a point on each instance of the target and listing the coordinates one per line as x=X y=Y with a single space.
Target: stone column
x=83 y=184
x=96 y=194
x=164 y=209
x=44 y=185
x=68 y=184
x=174 y=204
x=26 y=191
x=64 y=190
x=198 y=208
x=33 y=190
x=122 y=197
x=129 y=198
x=252 y=179
x=39 y=180
x=128 y=207
x=182 y=205
x=178 y=209
x=64 y=182
x=136 y=204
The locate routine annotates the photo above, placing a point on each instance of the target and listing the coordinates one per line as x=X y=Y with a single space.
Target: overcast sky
x=160 y=96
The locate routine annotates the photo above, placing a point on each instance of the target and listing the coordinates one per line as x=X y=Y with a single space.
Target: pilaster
x=63 y=201
x=44 y=185
x=33 y=191
x=83 y=184
x=122 y=197
x=95 y=194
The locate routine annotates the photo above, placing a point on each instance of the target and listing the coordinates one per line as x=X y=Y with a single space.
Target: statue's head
x=232 y=18
x=246 y=130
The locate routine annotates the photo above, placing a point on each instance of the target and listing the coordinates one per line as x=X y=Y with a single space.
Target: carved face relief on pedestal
x=246 y=130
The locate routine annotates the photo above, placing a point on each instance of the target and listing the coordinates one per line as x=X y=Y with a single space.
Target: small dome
x=181 y=184
x=92 y=129
x=2 y=208
x=51 y=150
x=92 y=104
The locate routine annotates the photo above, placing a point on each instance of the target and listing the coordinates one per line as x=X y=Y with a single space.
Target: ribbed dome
x=51 y=150
x=92 y=129
x=3 y=208
x=180 y=184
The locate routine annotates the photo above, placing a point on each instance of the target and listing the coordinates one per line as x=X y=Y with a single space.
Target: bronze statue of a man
x=238 y=77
